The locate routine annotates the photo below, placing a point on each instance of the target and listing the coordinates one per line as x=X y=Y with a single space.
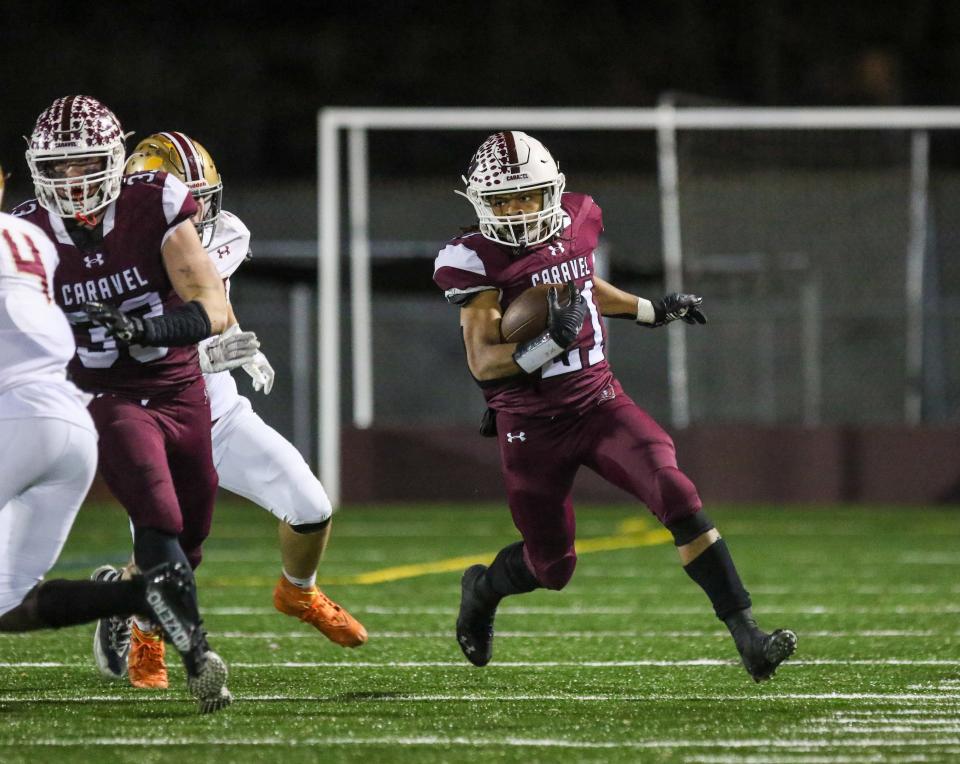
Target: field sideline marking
x=600 y=633
x=633 y=532
x=502 y=742
x=936 y=698
x=945 y=609
x=639 y=663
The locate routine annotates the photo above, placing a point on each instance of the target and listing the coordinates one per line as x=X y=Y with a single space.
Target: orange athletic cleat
x=314 y=607
x=145 y=665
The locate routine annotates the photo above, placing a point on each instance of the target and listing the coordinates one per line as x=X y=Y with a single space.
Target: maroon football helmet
x=75 y=155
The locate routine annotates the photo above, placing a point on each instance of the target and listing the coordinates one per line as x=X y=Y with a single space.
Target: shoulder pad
x=25 y=209
x=230 y=245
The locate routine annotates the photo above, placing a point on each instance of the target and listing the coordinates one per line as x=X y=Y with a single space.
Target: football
x=526 y=317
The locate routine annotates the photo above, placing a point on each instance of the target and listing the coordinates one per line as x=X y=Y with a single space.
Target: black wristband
x=186 y=325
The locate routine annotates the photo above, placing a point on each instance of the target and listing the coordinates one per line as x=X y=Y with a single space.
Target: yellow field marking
x=632 y=533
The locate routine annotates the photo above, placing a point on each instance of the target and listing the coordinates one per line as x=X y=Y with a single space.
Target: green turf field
x=627 y=664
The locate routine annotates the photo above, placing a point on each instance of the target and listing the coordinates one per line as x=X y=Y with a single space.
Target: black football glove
x=678 y=305
x=125 y=328
x=564 y=324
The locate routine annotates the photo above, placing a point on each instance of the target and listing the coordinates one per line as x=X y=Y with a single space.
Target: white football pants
x=46 y=467
x=255 y=461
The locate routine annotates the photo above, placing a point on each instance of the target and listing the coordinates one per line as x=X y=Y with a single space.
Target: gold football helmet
x=180 y=155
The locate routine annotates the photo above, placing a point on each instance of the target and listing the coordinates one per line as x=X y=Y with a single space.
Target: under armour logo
x=556 y=249
x=467 y=647
x=521 y=436
x=97 y=259
x=223 y=251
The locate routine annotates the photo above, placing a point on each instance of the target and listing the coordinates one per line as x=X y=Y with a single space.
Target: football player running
x=140 y=292
x=554 y=403
x=48 y=449
x=252 y=459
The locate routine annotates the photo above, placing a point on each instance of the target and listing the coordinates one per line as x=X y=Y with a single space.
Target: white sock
x=302 y=583
x=144 y=624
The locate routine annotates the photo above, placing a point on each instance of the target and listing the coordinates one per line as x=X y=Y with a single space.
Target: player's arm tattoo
x=194 y=276
x=614 y=302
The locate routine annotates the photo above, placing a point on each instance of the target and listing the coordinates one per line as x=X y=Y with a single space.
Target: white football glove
x=261 y=372
x=228 y=350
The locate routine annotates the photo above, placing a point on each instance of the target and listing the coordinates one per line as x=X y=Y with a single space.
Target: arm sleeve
x=186 y=325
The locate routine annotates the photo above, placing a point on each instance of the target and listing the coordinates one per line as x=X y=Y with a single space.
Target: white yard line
x=876 y=758
x=890 y=718
x=904 y=712
x=642 y=663
x=880 y=729
x=497 y=697
x=573 y=610
x=607 y=664
x=604 y=633
x=502 y=742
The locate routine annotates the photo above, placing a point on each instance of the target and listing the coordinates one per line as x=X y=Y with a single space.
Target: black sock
x=742 y=627
x=507 y=574
x=67 y=603
x=714 y=571
x=152 y=547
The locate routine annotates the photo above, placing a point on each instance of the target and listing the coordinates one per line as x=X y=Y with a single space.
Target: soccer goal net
x=823 y=242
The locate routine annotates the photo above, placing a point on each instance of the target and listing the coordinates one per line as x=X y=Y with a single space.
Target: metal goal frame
x=665 y=120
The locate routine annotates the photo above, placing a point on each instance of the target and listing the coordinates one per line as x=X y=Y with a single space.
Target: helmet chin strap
x=87 y=220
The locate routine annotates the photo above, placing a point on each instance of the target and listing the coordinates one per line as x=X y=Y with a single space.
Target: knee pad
x=557 y=574
x=677 y=496
x=308 y=528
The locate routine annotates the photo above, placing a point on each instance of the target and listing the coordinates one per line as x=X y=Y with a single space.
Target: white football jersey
x=230 y=245
x=36 y=342
x=228 y=249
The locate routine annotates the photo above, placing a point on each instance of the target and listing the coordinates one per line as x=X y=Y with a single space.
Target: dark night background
x=247 y=78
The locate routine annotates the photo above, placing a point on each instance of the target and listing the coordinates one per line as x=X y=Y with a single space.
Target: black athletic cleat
x=208 y=684
x=168 y=598
x=762 y=653
x=111 y=639
x=475 y=621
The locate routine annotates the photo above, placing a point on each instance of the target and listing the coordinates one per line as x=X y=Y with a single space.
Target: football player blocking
x=554 y=403
x=251 y=458
x=139 y=292
x=48 y=448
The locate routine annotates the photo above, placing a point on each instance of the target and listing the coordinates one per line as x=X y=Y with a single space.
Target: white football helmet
x=76 y=129
x=505 y=163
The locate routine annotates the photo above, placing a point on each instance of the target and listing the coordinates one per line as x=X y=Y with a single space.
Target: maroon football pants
x=156 y=458
x=617 y=439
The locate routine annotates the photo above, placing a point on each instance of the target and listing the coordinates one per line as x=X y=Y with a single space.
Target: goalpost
x=665 y=121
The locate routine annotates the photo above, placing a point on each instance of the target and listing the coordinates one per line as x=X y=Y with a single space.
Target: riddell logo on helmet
x=518 y=176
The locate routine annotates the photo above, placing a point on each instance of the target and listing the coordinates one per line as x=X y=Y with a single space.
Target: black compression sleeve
x=186 y=325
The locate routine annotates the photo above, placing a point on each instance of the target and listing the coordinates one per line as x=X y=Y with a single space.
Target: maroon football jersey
x=119 y=263
x=471 y=264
